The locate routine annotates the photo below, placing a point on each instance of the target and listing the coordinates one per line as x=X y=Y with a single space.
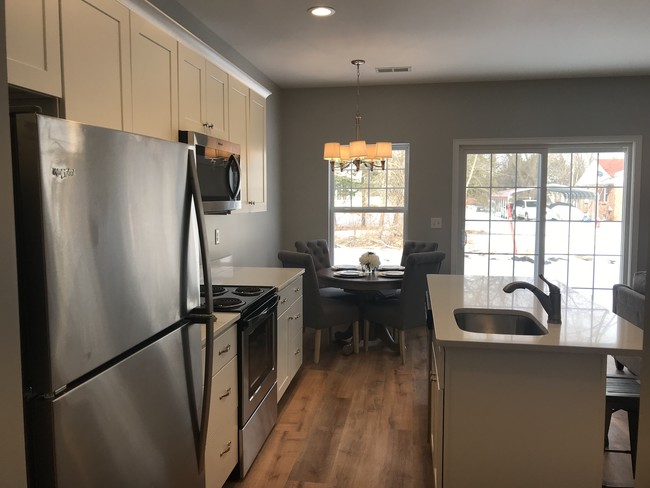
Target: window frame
x=632 y=185
x=406 y=147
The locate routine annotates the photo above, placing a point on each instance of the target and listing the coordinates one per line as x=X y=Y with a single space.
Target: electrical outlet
x=217 y=236
x=436 y=222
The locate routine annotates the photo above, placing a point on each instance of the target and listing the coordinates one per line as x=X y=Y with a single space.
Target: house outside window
x=368 y=210
x=562 y=209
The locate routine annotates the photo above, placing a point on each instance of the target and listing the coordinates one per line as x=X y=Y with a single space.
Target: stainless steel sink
x=496 y=321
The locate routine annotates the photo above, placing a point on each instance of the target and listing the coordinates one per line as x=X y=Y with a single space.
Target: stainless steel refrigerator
x=111 y=240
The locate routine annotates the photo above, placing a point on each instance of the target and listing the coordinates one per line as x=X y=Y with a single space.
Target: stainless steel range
x=257 y=363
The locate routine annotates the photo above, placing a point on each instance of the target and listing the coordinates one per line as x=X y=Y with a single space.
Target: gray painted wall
x=12 y=446
x=430 y=117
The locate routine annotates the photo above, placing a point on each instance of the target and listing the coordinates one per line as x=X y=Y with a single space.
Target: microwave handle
x=235 y=170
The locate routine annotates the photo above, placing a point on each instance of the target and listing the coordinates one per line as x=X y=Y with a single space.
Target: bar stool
x=623 y=393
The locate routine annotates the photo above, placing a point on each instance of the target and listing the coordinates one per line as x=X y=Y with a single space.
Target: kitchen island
x=520 y=410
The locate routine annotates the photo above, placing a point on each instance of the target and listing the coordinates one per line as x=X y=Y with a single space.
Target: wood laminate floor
x=361 y=421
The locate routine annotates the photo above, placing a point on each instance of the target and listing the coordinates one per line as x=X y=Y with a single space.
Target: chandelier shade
x=358 y=152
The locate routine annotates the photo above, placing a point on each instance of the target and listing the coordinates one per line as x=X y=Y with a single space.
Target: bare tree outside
x=368 y=210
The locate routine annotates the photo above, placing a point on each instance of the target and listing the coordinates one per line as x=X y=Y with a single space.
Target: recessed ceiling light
x=321 y=11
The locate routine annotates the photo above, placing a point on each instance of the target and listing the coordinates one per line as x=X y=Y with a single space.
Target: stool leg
x=633 y=426
x=608 y=421
x=355 y=336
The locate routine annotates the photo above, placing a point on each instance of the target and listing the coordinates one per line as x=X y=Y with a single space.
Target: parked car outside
x=526 y=209
x=565 y=211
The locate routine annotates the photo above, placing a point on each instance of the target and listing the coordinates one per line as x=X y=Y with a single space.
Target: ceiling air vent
x=393 y=69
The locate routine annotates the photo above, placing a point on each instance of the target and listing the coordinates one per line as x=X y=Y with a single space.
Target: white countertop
x=232 y=275
x=221 y=323
x=585 y=327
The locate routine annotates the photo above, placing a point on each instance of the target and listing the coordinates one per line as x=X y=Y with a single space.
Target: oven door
x=257 y=357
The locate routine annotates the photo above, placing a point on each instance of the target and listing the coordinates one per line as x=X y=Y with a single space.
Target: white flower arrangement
x=369 y=261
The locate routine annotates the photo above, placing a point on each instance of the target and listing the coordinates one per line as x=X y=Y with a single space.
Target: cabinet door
x=155 y=80
x=436 y=404
x=216 y=86
x=191 y=90
x=238 y=100
x=283 y=355
x=33 y=45
x=295 y=351
x=97 y=62
x=256 y=171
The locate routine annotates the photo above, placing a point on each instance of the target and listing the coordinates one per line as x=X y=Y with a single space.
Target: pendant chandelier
x=358 y=152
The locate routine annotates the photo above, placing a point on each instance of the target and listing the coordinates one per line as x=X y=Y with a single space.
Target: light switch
x=436 y=222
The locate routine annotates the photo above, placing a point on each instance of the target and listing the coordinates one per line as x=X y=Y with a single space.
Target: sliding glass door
x=554 y=210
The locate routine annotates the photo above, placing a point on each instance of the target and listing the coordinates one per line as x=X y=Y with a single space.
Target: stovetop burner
x=247 y=291
x=225 y=303
x=235 y=298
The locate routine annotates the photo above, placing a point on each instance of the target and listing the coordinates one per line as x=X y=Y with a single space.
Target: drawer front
x=289 y=294
x=222 y=445
x=294 y=318
x=225 y=348
x=224 y=389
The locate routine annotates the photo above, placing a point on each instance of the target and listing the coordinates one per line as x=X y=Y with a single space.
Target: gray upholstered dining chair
x=408 y=309
x=321 y=312
x=319 y=251
x=411 y=247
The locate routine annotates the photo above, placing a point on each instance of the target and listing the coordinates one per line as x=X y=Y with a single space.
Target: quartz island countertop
x=586 y=326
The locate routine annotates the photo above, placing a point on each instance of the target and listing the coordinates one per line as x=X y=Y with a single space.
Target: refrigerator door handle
x=207 y=317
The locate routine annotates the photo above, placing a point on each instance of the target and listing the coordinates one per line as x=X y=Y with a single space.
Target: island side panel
x=523 y=418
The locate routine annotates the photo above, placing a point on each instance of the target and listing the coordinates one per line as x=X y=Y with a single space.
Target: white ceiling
x=442 y=40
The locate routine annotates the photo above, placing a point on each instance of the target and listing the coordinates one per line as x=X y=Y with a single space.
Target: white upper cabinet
x=96 y=63
x=33 y=45
x=203 y=95
x=238 y=98
x=154 y=76
x=256 y=170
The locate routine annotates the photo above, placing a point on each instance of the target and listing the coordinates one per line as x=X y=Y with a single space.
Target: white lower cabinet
x=221 y=450
x=290 y=324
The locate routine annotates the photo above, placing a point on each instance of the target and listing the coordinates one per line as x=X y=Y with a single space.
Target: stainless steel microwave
x=219 y=173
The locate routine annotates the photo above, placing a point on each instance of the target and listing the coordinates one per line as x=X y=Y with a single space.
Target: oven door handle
x=269 y=308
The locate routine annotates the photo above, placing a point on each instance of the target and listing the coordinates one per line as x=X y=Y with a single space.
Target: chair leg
x=608 y=421
x=619 y=365
x=366 y=334
x=355 y=336
x=317 y=346
x=402 y=346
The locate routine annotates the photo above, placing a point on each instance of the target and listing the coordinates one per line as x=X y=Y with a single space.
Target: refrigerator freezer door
x=134 y=425
x=109 y=246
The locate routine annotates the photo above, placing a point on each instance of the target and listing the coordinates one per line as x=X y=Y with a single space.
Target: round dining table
x=368 y=286
x=363 y=282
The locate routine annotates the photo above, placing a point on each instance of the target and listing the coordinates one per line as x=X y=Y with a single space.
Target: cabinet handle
x=224 y=350
x=221 y=397
x=210 y=126
x=284 y=300
x=297 y=352
x=434 y=378
x=205 y=124
x=228 y=446
x=290 y=317
x=297 y=316
x=296 y=290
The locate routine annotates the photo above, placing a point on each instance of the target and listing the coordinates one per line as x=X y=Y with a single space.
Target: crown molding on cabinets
x=166 y=23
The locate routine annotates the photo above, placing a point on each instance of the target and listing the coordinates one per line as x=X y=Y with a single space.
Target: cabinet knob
x=221 y=397
x=224 y=350
x=297 y=352
x=228 y=447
